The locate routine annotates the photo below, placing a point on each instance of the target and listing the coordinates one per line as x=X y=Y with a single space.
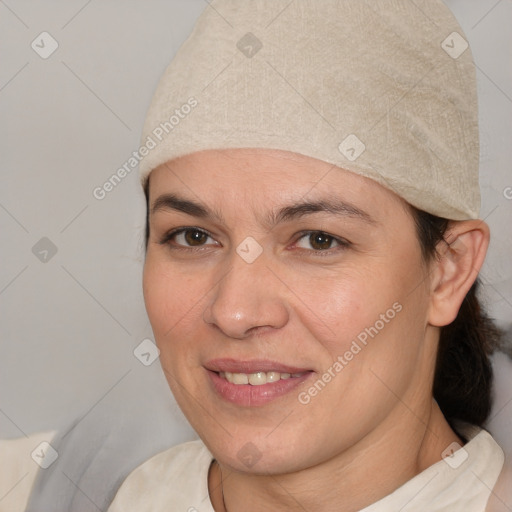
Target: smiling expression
x=262 y=269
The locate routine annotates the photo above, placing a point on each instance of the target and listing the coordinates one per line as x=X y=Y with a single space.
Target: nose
x=248 y=298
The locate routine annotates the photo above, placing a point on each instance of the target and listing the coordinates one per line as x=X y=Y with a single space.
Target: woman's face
x=288 y=265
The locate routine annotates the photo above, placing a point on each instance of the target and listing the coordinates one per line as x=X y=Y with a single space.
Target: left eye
x=319 y=241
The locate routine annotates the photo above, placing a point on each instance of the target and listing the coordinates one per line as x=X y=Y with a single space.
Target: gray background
x=69 y=325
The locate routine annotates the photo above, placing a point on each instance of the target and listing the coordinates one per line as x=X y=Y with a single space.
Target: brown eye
x=194 y=237
x=320 y=241
x=187 y=238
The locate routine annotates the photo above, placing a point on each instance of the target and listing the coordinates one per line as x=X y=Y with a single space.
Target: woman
x=313 y=247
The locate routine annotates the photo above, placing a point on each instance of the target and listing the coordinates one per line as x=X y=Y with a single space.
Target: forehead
x=263 y=178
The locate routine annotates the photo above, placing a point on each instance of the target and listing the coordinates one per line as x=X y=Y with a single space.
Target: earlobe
x=461 y=257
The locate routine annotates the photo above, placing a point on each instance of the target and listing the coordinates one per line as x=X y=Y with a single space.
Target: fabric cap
x=382 y=88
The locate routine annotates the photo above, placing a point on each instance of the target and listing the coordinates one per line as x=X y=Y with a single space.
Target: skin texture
x=376 y=420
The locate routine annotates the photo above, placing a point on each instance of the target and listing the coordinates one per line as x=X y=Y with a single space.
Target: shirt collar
x=462 y=481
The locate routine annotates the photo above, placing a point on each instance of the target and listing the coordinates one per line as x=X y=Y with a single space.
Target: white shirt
x=177 y=480
x=20 y=462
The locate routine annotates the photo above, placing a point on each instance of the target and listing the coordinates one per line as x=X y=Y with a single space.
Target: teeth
x=240 y=378
x=258 y=378
x=273 y=376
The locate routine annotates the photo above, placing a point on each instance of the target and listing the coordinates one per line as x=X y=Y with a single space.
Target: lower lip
x=248 y=395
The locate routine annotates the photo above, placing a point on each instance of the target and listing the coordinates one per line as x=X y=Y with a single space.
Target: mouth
x=257 y=378
x=255 y=382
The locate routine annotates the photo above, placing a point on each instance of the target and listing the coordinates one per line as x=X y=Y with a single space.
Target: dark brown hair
x=463 y=376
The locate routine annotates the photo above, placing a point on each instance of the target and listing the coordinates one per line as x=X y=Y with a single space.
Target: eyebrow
x=334 y=206
x=286 y=213
x=174 y=202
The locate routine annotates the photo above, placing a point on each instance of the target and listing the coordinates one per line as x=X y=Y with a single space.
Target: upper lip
x=251 y=366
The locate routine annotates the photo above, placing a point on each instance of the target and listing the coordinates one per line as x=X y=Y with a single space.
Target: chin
x=255 y=454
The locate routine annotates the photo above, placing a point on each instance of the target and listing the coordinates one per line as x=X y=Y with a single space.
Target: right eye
x=186 y=238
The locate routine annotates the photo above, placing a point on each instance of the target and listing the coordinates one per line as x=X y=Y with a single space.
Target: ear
x=461 y=257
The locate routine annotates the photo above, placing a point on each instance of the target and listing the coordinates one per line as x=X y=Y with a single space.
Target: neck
x=404 y=445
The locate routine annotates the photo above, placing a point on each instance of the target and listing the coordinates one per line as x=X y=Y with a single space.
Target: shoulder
x=23 y=457
x=177 y=476
x=462 y=481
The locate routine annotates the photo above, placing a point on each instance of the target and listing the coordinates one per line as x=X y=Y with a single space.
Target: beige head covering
x=383 y=88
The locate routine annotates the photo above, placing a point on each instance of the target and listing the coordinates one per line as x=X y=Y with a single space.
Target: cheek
x=173 y=303
x=157 y=297
x=380 y=306
x=170 y=296
x=369 y=324
x=336 y=307
x=173 y=306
